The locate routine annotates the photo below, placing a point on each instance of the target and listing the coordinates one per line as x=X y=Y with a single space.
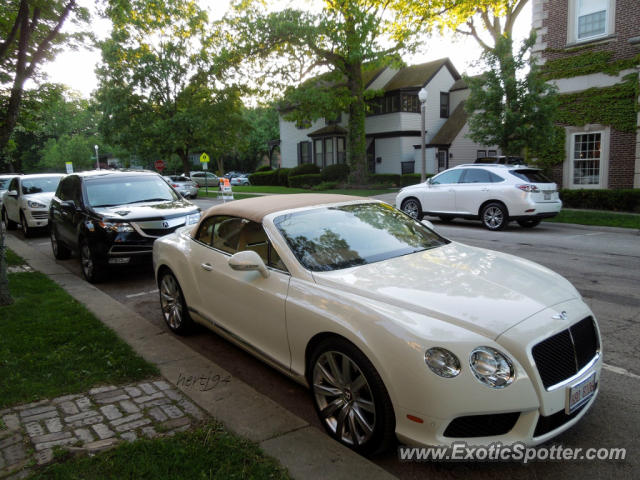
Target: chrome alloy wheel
x=493 y=217
x=344 y=398
x=87 y=260
x=171 y=301
x=411 y=208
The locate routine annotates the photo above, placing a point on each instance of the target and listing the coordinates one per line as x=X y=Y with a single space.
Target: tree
x=31 y=33
x=156 y=92
x=333 y=47
x=508 y=107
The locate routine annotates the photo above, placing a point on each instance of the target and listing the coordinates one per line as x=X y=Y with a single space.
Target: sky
x=75 y=69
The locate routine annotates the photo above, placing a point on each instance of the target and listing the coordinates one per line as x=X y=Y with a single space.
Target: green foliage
x=265 y=178
x=304 y=169
x=586 y=63
x=338 y=172
x=264 y=168
x=304 y=181
x=622 y=200
x=615 y=106
x=550 y=153
x=507 y=107
x=412 y=179
x=388 y=179
x=283 y=177
x=325 y=186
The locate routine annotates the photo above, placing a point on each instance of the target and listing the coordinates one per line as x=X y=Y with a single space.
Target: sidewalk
x=304 y=450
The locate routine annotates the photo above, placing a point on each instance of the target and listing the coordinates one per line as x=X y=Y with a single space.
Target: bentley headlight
x=491 y=367
x=442 y=362
x=34 y=204
x=193 y=218
x=119 y=227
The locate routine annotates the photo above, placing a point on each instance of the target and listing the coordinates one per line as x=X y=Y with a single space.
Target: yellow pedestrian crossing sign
x=204 y=158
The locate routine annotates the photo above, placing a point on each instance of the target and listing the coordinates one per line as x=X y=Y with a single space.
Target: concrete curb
x=302 y=449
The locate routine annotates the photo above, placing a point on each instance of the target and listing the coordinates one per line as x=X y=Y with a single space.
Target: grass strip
x=51 y=345
x=597 y=218
x=207 y=452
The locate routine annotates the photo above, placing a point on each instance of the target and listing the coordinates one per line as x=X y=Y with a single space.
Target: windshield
x=40 y=184
x=333 y=238
x=4 y=183
x=111 y=191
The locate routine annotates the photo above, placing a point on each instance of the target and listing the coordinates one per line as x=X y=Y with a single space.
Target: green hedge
x=412 y=178
x=264 y=168
x=390 y=179
x=304 y=181
x=623 y=200
x=264 y=178
x=335 y=173
x=304 y=169
x=283 y=177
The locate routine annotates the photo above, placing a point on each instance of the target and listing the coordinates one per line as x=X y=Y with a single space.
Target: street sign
x=159 y=165
x=205 y=166
x=204 y=158
x=69 y=166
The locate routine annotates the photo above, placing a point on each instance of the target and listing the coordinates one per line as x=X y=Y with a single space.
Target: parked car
x=5 y=179
x=394 y=328
x=242 y=179
x=26 y=201
x=185 y=186
x=112 y=218
x=502 y=160
x=495 y=194
x=205 y=179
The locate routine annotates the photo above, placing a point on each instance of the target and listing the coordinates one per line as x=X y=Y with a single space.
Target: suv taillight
x=528 y=188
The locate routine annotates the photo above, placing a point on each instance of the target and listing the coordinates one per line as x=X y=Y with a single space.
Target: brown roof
x=258 y=207
x=451 y=128
x=417 y=76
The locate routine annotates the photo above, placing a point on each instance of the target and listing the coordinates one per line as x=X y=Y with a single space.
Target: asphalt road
x=604 y=264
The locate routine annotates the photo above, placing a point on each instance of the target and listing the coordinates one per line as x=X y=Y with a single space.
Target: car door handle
x=207 y=266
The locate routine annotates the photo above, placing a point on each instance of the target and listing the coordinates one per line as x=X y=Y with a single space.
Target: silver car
x=495 y=194
x=185 y=186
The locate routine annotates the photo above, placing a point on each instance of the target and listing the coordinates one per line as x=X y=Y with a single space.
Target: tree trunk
x=184 y=158
x=5 y=294
x=356 y=139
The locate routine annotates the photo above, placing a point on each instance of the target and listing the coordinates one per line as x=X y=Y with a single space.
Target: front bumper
x=36 y=218
x=524 y=412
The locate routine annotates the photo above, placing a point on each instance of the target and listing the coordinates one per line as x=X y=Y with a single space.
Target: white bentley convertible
x=395 y=329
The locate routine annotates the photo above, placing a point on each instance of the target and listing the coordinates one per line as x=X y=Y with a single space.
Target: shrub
x=388 y=179
x=283 y=175
x=264 y=168
x=411 y=179
x=325 y=185
x=304 y=181
x=264 y=178
x=304 y=169
x=622 y=200
x=335 y=173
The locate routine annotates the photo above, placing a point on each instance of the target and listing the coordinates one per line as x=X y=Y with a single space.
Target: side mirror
x=248 y=260
x=12 y=193
x=68 y=204
x=429 y=180
x=428 y=224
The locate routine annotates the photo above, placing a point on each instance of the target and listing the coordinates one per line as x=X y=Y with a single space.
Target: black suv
x=113 y=217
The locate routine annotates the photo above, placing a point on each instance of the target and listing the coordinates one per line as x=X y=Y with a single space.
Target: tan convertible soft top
x=256 y=208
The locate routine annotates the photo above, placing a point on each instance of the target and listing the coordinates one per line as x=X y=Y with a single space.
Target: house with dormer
x=393 y=124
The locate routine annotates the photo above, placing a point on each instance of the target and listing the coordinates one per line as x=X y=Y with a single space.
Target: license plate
x=580 y=393
x=547 y=196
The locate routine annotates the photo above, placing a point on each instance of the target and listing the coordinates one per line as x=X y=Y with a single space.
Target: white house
x=392 y=124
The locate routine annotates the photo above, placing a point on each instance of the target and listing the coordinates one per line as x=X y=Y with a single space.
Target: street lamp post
x=97 y=158
x=422 y=96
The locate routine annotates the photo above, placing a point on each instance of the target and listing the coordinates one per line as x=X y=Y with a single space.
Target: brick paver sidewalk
x=92 y=421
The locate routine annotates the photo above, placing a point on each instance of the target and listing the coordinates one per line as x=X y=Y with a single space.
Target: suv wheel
x=60 y=251
x=26 y=230
x=92 y=270
x=494 y=216
x=529 y=223
x=411 y=206
x=10 y=224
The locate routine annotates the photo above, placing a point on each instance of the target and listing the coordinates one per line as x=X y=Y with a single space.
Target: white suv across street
x=495 y=194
